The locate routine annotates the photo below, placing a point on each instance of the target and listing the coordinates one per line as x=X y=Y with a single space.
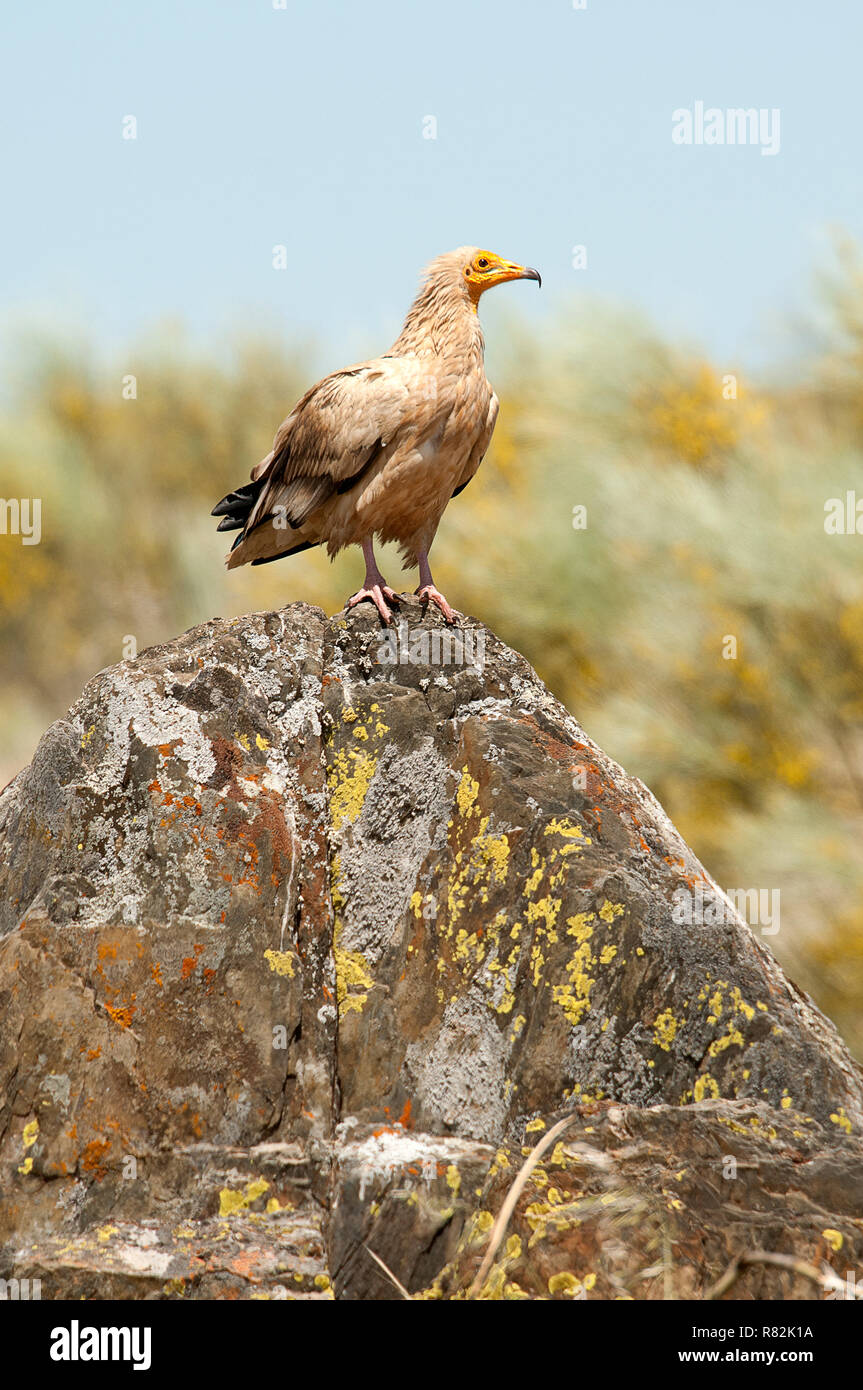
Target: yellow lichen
x=353 y=980
x=841 y=1119
x=233 y=1200
x=565 y=1284
x=577 y=926
x=574 y=996
x=349 y=783
x=545 y=911
x=609 y=911
x=568 y=829
x=706 y=1086
x=718 y=1045
x=468 y=791
x=486 y=864
x=664 y=1030
x=281 y=962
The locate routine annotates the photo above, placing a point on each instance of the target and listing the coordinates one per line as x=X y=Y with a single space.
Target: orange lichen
x=122 y=1013
x=190 y=963
x=91 y=1159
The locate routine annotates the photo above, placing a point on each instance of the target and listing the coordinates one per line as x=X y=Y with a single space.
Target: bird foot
x=378 y=593
x=429 y=592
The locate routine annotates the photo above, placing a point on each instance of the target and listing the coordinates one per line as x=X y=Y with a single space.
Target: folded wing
x=328 y=443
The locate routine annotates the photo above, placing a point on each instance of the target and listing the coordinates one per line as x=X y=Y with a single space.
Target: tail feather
x=237 y=505
x=235 y=509
x=268 y=559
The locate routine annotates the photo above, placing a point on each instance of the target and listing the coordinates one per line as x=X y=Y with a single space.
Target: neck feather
x=441 y=320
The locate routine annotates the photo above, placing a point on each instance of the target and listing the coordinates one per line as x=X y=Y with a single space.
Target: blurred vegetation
x=705 y=521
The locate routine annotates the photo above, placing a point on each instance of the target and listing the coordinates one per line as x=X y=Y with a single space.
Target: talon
x=428 y=592
x=378 y=593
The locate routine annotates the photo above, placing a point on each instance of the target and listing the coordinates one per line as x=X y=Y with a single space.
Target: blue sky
x=302 y=126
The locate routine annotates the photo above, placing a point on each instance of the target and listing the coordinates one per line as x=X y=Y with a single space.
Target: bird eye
x=482 y=263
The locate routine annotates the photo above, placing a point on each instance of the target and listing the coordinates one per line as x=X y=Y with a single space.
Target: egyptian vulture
x=380 y=448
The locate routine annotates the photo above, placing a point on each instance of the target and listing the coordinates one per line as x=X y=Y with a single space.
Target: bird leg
x=428 y=591
x=374 y=587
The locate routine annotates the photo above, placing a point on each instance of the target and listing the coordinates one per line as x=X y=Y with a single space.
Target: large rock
x=301 y=921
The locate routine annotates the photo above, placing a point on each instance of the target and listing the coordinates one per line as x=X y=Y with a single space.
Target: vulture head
x=484 y=269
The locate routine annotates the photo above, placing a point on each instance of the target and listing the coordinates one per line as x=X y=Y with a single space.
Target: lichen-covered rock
x=658 y=1203
x=288 y=875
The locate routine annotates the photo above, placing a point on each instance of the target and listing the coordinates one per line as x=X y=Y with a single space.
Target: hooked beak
x=521 y=272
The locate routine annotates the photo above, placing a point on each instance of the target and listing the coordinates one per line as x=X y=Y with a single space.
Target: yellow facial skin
x=486 y=269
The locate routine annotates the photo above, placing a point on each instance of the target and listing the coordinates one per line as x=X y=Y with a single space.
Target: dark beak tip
x=534 y=275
